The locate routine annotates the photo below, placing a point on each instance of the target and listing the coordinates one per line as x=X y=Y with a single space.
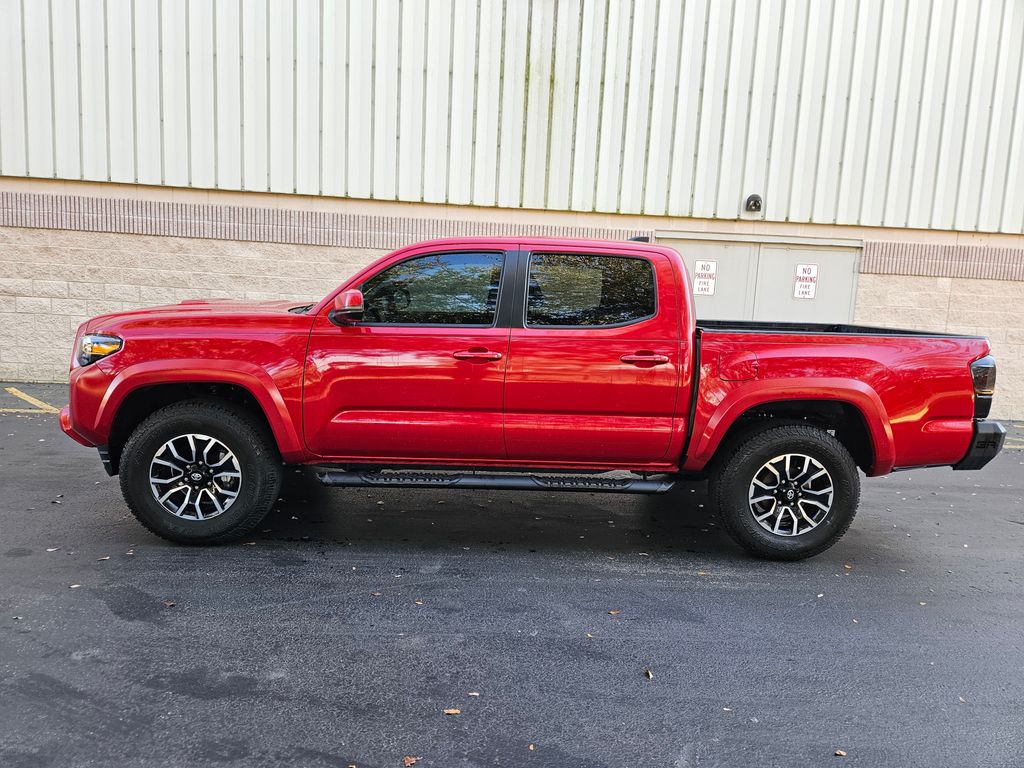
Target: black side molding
x=985 y=444
x=522 y=482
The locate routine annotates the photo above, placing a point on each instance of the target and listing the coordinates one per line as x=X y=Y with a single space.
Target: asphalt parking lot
x=340 y=635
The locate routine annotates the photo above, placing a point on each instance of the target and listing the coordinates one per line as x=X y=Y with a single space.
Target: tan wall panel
x=52 y=280
x=992 y=308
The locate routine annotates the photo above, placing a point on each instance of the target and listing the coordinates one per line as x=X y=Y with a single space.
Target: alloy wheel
x=791 y=494
x=195 y=476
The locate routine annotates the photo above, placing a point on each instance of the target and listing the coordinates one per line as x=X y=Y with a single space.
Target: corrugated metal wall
x=906 y=113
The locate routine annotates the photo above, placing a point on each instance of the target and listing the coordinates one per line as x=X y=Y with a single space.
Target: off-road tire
x=731 y=477
x=236 y=428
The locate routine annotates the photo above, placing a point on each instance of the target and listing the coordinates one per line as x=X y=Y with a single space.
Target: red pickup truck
x=533 y=364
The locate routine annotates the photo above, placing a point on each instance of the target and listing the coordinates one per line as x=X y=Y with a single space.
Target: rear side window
x=439 y=289
x=571 y=290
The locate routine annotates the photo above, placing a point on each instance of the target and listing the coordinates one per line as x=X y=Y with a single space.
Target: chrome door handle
x=642 y=359
x=477 y=355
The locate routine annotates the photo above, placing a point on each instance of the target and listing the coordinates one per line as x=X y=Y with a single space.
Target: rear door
x=594 y=357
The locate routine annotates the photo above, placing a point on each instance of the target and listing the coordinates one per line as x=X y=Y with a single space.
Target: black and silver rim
x=195 y=477
x=791 y=494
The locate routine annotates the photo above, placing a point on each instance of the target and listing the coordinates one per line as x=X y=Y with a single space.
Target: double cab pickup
x=530 y=364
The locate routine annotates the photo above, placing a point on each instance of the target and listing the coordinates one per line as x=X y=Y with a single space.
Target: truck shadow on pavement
x=611 y=524
x=502 y=520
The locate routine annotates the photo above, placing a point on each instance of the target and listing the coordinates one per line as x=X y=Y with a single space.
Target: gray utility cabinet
x=741 y=277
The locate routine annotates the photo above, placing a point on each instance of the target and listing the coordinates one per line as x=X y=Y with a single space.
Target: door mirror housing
x=348 y=308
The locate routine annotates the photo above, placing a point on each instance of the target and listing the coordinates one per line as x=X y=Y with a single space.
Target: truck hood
x=204 y=312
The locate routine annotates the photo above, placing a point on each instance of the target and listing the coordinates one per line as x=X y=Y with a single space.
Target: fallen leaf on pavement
x=169 y=603
x=614 y=613
x=961 y=698
x=702 y=573
x=452 y=711
x=419 y=602
x=74 y=586
x=101 y=559
x=649 y=673
x=840 y=753
x=533 y=747
x=473 y=693
x=53 y=549
x=408 y=760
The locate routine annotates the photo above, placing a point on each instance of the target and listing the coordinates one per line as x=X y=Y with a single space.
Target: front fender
x=249 y=376
x=748 y=395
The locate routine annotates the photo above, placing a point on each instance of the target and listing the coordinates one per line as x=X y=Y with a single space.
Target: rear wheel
x=200 y=472
x=787 y=492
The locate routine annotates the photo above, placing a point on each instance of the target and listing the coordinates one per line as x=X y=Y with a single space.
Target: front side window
x=571 y=290
x=439 y=289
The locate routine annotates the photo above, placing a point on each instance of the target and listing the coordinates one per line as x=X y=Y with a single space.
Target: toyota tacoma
x=531 y=364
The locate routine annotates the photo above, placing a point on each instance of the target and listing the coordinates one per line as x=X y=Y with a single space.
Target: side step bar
x=341 y=478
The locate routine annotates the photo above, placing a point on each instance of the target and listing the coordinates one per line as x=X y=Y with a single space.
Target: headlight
x=92 y=347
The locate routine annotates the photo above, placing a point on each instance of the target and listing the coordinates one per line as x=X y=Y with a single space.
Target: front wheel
x=200 y=472
x=786 y=493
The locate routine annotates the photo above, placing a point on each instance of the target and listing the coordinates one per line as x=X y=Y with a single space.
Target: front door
x=420 y=377
x=594 y=361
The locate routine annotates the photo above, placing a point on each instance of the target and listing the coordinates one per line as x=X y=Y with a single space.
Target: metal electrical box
x=736 y=277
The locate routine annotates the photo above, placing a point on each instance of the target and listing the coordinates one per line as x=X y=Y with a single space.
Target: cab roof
x=543 y=242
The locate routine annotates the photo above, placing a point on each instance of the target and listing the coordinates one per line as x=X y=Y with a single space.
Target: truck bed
x=824 y=329
x=912 y=390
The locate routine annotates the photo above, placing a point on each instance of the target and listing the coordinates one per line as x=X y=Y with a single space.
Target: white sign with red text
x=806 y=282
x=704 y=275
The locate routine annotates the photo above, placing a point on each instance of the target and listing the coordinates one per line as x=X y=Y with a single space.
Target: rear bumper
x=986 y=442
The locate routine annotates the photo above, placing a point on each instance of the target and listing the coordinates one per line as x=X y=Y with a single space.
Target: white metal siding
x=902 y=113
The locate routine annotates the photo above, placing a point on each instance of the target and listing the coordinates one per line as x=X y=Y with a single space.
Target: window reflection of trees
x=589 y=290
x=439 y=289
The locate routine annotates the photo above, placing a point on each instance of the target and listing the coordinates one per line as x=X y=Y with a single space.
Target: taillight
x=983 y=374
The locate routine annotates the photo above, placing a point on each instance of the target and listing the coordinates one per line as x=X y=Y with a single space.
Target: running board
x=340 y=478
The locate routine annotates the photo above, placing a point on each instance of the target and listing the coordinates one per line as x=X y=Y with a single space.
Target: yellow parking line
x=21 y=410
x=44 y=407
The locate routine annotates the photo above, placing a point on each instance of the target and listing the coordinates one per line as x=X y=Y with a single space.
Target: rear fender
x=750 y=395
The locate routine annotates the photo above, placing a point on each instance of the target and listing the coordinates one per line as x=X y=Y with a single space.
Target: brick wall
x=51 y=280
x=992 y=308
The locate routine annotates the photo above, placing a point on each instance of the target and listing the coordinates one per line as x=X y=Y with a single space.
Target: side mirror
x=348 y=307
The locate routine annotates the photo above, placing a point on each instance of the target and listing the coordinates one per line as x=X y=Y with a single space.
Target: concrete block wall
x=992 y=308
x=51 y=280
